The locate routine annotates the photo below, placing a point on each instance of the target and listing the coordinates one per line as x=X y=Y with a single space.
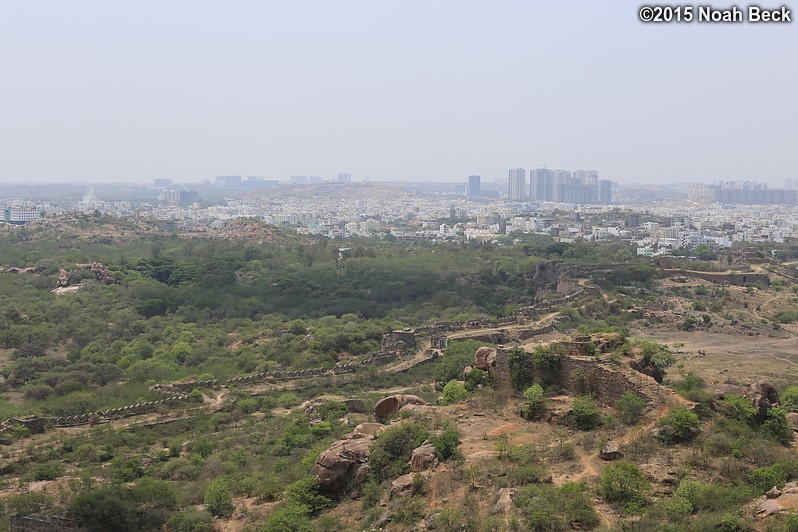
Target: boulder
x=403 y=486
x=466 y=372
x=422 y=458
x=763 y=396
x=610 y=451
x=504 y=504
x=366 y=430
x=339 y=466
x=773 y=493
x=769 y=507
x=389 y=406
x=721 y=390
x=792 y=419
x=485 y=359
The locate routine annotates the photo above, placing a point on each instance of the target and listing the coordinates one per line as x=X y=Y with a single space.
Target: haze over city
x=418 y=91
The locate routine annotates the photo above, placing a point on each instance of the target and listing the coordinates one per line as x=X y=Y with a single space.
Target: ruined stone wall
x=584 y=376
x=579 y=375
x=729 y=278
x=531 y=333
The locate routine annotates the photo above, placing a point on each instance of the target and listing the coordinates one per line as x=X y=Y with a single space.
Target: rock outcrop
x=389 y=406
x=763 y=396
x=343 y=465
x=422 y=458
x=504 y=504
x=485 y=359
x=403 y=486
x=610 y=451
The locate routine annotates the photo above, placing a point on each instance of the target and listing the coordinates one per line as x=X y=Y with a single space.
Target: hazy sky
x=415 y=90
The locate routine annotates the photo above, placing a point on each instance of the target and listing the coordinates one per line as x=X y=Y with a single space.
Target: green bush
x=740 y=409
x=584 y=413
x=218 y=498
x=454 y=392
x=49 y=471
x=680 y=425
x=630 y=407
x=789 y=398
x=704 y=497
x=305 y=492
x=104 y=509
x=293 y=517
x=522 y=368
x=624 y=483
x=447 y=444
x=534 y=402
x=777 y=427
x=764 y=478
x=392 y=449
x=191 y=520
x=477 y=378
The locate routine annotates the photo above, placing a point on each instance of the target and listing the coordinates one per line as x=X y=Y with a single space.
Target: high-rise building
x=605 y=191
x=542 y=184
x=228 y=181
x=344 y=178
x=474 y=186
x=517 y=184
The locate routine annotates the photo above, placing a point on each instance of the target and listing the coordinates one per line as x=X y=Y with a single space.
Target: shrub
x=584 y=413
x=103 y=510
x=712 y=497
x=534 y=402
x=305 y=492
x=49 y=471
x=218 y=498
x=522 y=368
x=195 y=396
x=477 y=378
x=740 y=409
x=680 y=425
x=777 y=426
x=630 y=407
x=624 y=483
x=191 y=520
x=446 y=445
x=392 y=449
x=764 y=478
x=454 y=392
x=127 y=470
x=789 y=398
x=293 y=517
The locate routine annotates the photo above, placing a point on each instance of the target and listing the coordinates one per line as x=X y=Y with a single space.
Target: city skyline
x=96 y=92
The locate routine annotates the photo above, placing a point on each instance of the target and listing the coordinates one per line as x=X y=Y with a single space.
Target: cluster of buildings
x=545 y=184
x=744 y=193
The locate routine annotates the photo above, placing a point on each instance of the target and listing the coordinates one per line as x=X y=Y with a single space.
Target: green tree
x=218 y=498
x=447 y=443
x=454 y=392
x=534 y=402
x=584 y=413
x=777 y=426
x=624 y=483
x=522 y=368
x=680 y=425
x=789 y=398
x=630 y=407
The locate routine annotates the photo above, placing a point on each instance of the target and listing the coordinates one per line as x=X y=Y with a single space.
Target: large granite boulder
x=610 y=451
x=763 y=396
x=485 y=359
x=366 y=430
x=389 y=406
x=422 y=458
x=344 y=463
x=403 y=486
